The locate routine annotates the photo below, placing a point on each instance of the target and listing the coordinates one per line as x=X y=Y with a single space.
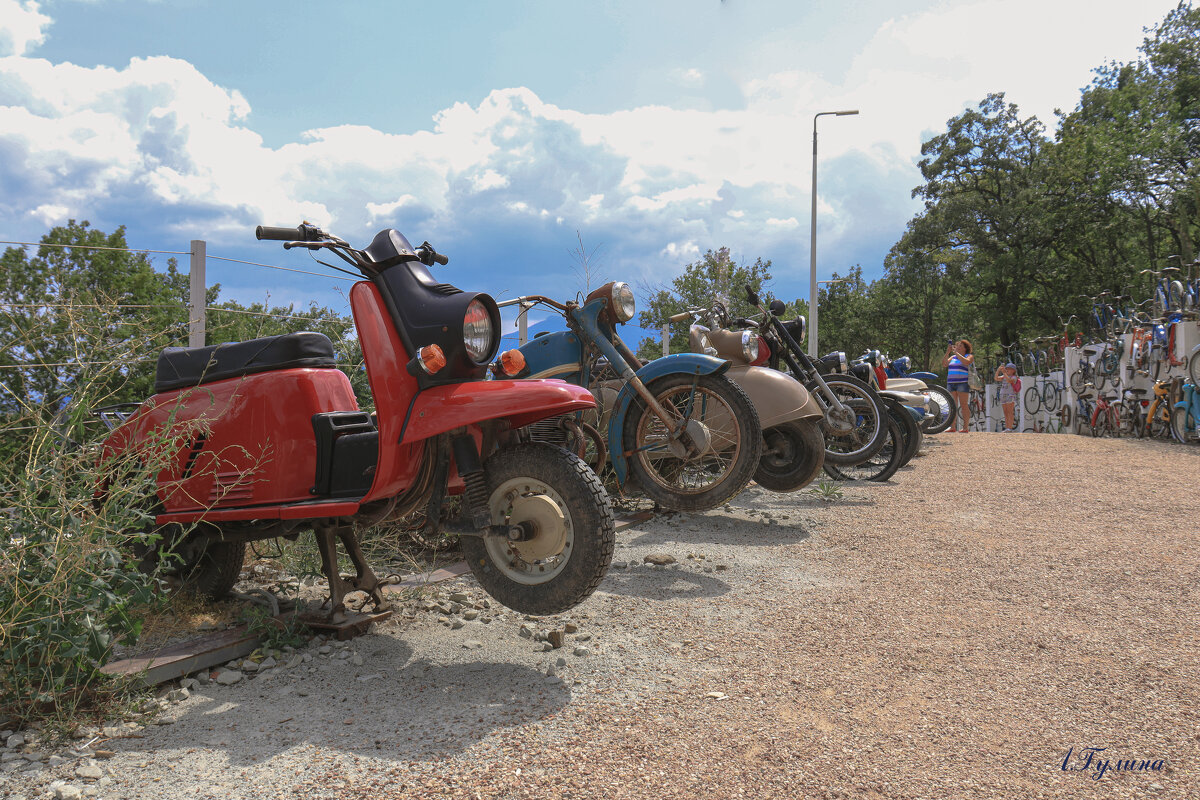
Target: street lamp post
x=812 y=253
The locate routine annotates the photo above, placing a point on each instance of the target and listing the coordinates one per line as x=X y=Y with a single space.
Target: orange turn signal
x=512 y=362
x=431 y=358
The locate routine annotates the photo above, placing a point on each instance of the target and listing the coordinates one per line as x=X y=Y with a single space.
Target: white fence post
x=522 y=324
x=197 y=296
x=666 y=336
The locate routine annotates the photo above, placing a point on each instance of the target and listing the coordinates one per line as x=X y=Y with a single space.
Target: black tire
x=1051 y=396
x=1064 y=417
x=878 y=467
x=793 y=455
x=1032 y=400
x=1183 y=426
x=197 y=562
x=1193 y=366
x=1078 y=381
x=869 y=435
x=910 y=432
x=947 y=409
x=661 y=474
x=561 y=580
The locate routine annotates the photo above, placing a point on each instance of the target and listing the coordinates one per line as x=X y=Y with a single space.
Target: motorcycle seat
x=180 y=367
x=1136 y=391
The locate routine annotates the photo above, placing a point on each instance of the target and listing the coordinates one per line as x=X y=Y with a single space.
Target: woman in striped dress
x=957 y=361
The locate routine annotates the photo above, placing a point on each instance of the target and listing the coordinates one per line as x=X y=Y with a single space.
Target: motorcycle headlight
x=622 y=301
x=478 y=332
x=750 y=345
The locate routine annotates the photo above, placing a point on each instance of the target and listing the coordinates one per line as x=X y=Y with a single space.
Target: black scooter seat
x=180 y=367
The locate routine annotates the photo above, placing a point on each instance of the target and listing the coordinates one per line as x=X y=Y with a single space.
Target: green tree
x=716 y=276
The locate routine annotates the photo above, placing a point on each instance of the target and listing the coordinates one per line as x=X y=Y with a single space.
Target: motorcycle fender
x=677 y=363
x=777 y=396
x=928 y=377
x=1181 y=404
x=521 y=402
x=909 y=398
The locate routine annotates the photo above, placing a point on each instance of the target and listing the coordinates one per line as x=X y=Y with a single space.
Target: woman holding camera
x=957 y=361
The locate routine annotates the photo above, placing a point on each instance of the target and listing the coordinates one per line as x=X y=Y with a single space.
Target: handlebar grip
x=680 y=317
x=278 y=234
x=441 y=259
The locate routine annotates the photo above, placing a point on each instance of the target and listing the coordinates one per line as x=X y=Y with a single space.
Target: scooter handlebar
x=278 y=234
x=680 y=317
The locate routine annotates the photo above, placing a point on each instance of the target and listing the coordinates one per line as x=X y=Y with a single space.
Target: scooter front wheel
x=561 y=504
x=721 y=419
x=793 y=456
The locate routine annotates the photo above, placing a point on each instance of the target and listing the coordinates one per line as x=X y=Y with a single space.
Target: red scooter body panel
x=245 y=441
x=440 y=408
x=521 y=402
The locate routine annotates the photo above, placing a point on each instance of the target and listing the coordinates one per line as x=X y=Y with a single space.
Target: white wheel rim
x=526 y=495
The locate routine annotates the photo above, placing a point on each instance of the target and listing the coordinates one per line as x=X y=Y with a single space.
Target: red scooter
x=265 y=438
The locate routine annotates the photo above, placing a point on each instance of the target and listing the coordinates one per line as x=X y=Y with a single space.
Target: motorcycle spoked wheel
x=194 y=562
x=878 y=467
x=793 y=455
x=870 y=430
x=556 y=495
x=707 y=480
x=947 y=410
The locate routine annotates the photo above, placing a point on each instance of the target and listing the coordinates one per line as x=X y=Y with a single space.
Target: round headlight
x=477 y=331
x=622 y=301
x=750 y=345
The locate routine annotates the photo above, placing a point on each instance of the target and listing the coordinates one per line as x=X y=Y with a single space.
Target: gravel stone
x=883 y=646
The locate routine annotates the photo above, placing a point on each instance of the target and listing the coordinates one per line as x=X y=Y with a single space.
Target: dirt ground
x=978 y=627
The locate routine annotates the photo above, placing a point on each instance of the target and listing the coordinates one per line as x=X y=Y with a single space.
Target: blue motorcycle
x=1185 y=416
x=688 y=435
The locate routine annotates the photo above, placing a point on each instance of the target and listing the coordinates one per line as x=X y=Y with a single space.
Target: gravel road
x=1003 y=604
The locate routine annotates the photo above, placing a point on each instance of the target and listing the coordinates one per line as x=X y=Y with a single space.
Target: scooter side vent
x=197 y=446
x=231 y=487
x=445 y=288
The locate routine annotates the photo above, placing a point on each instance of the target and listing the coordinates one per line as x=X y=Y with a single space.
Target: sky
x=507 y=132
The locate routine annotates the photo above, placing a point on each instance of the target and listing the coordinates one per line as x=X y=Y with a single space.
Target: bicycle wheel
x=1050 y=396
x=1154 y=363
x=1159 y=423
x=1064 y=417
x=1193 y=366
x=1032 y=401
x=1099 y=379
x=1183 y=426
x=1078 y=381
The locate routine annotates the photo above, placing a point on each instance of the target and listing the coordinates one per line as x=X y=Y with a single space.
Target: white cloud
x=22 y=26
x=157 y=134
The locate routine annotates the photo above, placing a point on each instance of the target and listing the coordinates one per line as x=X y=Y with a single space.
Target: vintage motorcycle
x=677 y=425
x=854 y=418
x=939 y=401
x=269 y=441
x=793 y=444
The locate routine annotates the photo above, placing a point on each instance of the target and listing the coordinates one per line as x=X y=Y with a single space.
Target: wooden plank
x=183 y=658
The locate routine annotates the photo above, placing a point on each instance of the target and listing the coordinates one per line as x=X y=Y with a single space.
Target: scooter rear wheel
x=795 y=453
x=195 y=563
x=559 y=499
